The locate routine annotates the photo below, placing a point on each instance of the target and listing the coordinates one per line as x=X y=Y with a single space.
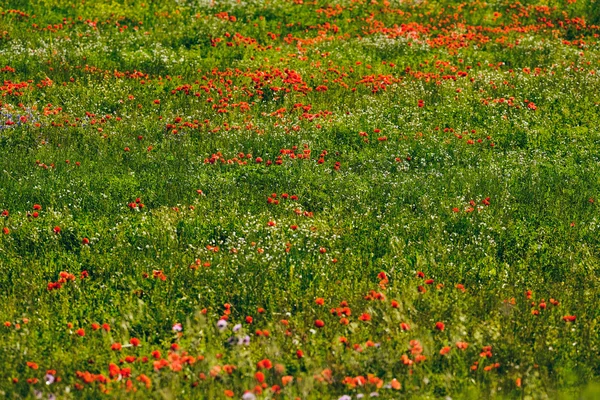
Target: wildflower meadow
x=300 y=199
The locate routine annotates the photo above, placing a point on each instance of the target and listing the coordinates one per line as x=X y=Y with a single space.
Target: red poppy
x=264 y=364
x=365 y=317
x=319 y=323
x=260 y=377
x=440 y=326
x=462 y=345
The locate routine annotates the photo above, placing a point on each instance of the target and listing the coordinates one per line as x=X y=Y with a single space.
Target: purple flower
x=237 y=327
x=177 y=327
x=245 y=341
x=248 y=396
x=222 y=324
x=49 y=379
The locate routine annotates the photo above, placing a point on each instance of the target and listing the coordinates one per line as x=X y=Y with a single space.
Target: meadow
x=295 y=199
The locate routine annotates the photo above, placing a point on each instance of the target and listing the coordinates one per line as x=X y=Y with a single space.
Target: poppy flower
x=260 y=377
x=440 y=326
x=264 y=364
x=319 y=323
x=365 y=317
x=135 y=342
x=569 y=318
x=80 y=332
x=56 y=229
x=116 y=347
x=462 y=345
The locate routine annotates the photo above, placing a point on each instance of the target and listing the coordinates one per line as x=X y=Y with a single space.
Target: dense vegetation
x=311 y=199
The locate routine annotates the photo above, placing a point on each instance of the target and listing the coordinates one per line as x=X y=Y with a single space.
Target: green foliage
x=381 y=167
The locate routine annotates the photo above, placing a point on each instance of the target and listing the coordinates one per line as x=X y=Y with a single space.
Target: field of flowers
x=299 y=199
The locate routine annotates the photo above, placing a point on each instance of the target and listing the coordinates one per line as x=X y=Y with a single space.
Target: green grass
x=435 y=142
